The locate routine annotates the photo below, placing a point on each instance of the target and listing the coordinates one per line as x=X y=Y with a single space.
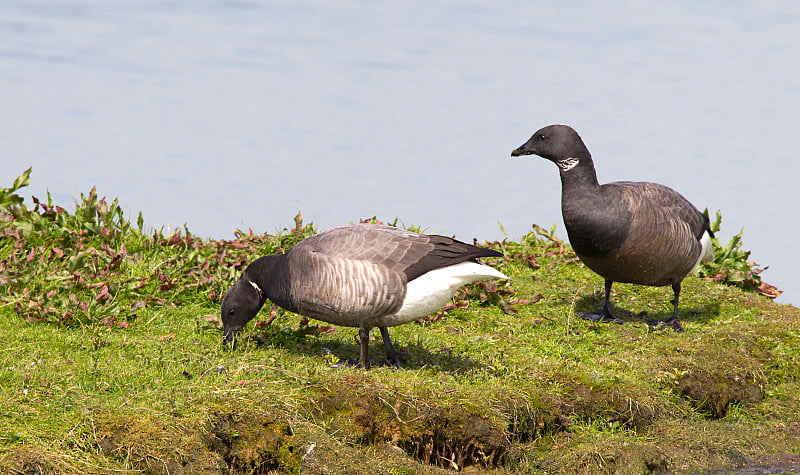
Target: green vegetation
x=731 y=265
x=111 y=361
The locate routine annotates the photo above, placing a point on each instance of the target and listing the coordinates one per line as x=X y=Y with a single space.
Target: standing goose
x=358 y=275
x=635 y=232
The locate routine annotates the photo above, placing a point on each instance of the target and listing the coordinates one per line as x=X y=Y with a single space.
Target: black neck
x=272 y=277
x=582 y=176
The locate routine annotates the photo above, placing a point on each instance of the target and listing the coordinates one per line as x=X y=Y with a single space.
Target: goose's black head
x=240 y=305
x=557 y=143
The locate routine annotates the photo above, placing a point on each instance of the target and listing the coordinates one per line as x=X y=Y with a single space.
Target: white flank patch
x=706 y=252
x=429 y=292
x=568 y=163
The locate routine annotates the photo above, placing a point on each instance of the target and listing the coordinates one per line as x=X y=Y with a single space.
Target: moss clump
x=253 y=442
x=30 y=460
x=432 y=431
x=453 y=433
x=641 y=458
x=242 y=442
x=152 y=446
x=714 y=392
x=613 y=404
x=614 y=456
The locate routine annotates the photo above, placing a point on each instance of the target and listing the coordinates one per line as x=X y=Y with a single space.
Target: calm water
x=226 y=114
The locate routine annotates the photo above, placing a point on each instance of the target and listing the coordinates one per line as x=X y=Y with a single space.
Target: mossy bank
x=111 y=361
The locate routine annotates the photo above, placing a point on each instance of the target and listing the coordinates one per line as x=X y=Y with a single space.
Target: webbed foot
x=671 y=322
x=394 y=362
x=346 y=363
x=603 y=317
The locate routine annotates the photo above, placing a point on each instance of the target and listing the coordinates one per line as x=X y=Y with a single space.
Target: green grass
x=134 y=378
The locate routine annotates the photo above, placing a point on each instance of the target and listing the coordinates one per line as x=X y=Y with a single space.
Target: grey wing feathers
x=344 y=291
x=403 y=251
x=373 y=243
x=354 y=272
x=669 y=204
x=664 y=219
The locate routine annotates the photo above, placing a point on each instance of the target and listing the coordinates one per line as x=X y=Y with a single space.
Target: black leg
x=391 y=354
x=363 y=334
x=605 y=314
x=672 y=321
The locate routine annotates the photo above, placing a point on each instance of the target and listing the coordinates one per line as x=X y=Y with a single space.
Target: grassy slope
x=534 y=391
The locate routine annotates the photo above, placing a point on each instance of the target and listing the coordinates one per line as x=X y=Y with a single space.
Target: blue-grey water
x=237 y=114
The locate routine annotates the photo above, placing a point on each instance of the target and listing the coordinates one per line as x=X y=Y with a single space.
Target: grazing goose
x=634 y=232
x=358 y=275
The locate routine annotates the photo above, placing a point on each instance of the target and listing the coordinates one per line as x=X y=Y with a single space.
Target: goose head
x=240 y=304
x=558 y=143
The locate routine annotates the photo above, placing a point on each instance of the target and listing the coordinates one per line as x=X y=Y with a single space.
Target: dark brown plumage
x=635 y=232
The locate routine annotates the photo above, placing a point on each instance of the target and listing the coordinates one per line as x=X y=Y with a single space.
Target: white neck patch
x=258 y=289
x=568 y=163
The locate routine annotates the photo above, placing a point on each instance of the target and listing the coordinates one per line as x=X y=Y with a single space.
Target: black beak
x=520 y=151
x=229 y=336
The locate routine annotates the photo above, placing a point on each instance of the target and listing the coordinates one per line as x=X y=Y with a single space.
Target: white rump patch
x=568 y=163
x=706 y=251
x=429 y=292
